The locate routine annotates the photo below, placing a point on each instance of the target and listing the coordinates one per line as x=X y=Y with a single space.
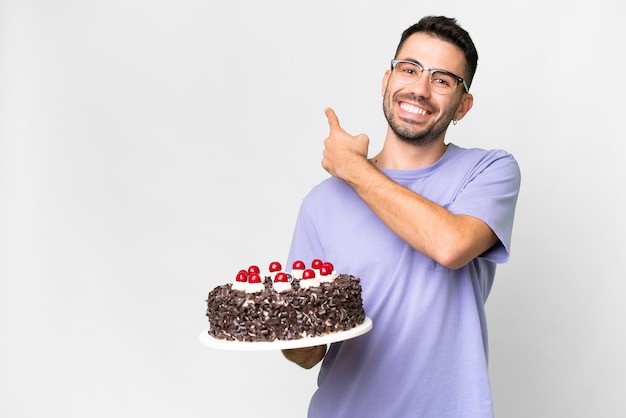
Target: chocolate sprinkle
x=269 y=316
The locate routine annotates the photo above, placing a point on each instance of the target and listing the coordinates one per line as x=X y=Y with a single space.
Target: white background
x=150 y=149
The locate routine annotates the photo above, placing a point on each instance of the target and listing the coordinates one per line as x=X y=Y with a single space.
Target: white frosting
x=242 y=286
x=296 y=273
x=306 y=283
x=329 y=278
x=281 y=287
x=254 y=287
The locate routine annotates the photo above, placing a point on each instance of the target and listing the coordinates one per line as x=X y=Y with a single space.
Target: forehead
x=433 y=52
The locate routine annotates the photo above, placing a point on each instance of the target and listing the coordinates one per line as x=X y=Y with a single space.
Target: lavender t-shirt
x=426 y=355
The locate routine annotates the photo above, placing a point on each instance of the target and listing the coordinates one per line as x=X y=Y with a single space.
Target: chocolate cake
x=285 y=306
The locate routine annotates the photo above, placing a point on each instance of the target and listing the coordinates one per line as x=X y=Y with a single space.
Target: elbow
x=458 y=254
x=453 y=257
x=457 y=247
x=452 y=261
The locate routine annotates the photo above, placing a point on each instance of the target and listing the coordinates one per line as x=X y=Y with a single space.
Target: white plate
x=212 y=342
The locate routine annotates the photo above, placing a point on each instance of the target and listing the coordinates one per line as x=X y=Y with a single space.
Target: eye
x=407 y=68
x=443 y=79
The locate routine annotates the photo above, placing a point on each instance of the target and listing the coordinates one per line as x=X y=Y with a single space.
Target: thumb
x=333 y=120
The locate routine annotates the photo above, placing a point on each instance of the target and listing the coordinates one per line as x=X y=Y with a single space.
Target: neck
x=399 y=155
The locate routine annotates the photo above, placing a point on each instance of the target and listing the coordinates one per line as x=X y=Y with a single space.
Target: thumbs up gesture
x=342 y=151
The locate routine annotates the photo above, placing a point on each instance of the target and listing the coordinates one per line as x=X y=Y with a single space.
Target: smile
x=412 y=109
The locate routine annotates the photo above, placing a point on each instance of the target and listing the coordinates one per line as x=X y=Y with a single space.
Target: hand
x=342 y=151
x=306 y=357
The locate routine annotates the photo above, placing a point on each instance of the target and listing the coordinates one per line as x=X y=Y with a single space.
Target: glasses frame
x=430 y=71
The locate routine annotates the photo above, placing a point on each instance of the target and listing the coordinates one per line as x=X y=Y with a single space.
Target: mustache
x=411 y=97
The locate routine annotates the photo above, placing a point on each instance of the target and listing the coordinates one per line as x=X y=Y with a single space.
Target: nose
x=421 y=87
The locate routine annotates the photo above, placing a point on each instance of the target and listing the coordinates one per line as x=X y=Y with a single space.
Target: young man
x=423 y=224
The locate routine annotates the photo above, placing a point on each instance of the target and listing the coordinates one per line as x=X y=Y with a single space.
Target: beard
x=408 y=130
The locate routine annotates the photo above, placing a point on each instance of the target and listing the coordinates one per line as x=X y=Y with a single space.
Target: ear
x=467 y=101
x=385 y=82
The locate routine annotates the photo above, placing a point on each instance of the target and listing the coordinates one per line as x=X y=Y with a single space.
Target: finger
x=333 y=120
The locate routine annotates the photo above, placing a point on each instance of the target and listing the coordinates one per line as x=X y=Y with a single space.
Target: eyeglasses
x=441 y=81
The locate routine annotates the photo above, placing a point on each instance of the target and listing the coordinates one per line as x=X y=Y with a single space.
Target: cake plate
x=212 y=342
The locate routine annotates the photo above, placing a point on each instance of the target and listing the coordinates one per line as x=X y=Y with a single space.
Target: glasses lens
x=406 y=72
x=443 y=82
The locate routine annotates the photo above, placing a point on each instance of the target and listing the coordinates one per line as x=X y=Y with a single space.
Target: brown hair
x=447 y=29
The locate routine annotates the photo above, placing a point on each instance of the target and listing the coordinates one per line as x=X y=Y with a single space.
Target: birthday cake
x=276 y=305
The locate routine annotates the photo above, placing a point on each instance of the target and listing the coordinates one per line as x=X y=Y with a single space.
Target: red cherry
x=275 y=266
x=281 y=277
x=317 y=263
x=325 y=270
x=242 y=276
x=330 y=265
x=308 y=274
x=254 y=269
x=254 y=278
x=298 y=265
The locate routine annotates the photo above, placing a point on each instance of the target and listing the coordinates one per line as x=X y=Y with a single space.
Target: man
x=423 y=224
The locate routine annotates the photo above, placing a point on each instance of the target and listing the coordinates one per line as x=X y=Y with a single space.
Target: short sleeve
x=491 y=195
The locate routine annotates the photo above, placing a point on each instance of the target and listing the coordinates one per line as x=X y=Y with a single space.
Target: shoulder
x=328 y=195
x=328 y=188
x=480 y=158
x=458 y=152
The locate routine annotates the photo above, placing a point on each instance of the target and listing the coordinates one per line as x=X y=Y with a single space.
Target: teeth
x=412 y=109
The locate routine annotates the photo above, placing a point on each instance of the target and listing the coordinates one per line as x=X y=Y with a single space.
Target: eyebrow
x=414 y=61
